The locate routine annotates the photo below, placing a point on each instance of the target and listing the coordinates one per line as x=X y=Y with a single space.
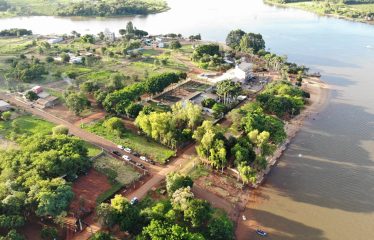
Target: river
x=328 y=192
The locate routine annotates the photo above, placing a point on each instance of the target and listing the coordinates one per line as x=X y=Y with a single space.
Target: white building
x=55 y=40
x=75 y=60
x=109 y=36
x=241 y=73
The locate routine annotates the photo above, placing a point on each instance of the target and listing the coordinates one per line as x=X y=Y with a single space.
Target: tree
x=208 y=102
x=31 y=96
x=106 y=214
x=234 y=37
x=51 y=197
x=127 y=216
x=219 y=110
x=122 y=32
x=49 y=59
x=253 y=41
x=77 y=102
x=65 y=57
x=175 y=181
x=60 y=129
x=133 y=110
x=114 y=124
x=181 y=197
x=13 y=235
x=198 y=212
x=129 y=28
x=175 y=44
x=89 y=86
x=49 y=233
x=221 y=228
x=228 y=90
x=247 y=174
x=6 y=115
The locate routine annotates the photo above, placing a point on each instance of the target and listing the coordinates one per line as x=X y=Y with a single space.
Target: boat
x=261 y=233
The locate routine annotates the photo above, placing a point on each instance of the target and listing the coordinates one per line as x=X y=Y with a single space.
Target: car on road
x=116 y=153
x=143 y=158
x=128 y=150
x=134 y=201
x=136 y=154
x=120 y=147
x=140 y=165
x=127 y=158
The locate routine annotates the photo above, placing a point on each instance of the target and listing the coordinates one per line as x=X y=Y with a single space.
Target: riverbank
x=361 y=11
x=319 y=98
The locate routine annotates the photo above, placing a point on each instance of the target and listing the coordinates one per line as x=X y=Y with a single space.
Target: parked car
x=136 y=154
x=127 y=158
x=120 y=147
x=128 y=150
x=116 y=153
x=143 y=158
x=152 y=162
x=134 y=201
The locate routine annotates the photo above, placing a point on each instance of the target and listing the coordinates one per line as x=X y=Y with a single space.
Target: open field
x=30 y=125
x=154 y=150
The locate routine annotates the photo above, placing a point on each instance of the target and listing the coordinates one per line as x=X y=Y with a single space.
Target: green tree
x=65 y=57
x=234 y=37
x=77 y=102
x=114 y=124
x=198 y=212
x=6 y=116
x=219 y=110
x=175 y=44
x=106 y=214
x=31 y=96
x=181 y=198
x=49 y=233
x=102 y=236
x=133 y=110
x=221 y=228
x=175 y=181
x=247 y=174
x=60 y=129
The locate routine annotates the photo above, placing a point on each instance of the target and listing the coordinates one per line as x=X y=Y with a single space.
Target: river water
x=328 y=192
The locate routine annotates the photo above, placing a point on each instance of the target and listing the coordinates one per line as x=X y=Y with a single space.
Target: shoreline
x=275 y=4
x=319 y=99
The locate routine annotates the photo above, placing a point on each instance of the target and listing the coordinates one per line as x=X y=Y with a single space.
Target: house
x=243 y=71
x=4 y=106
x=49 y=101
x=37 y=89
x=76 y=60
x=55 y=40
x=109 y=36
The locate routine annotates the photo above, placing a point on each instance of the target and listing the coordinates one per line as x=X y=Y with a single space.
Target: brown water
x=328 y=193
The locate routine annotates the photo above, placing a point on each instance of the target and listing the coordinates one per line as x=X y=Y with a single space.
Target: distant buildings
x=45 y=99
x=109 y=36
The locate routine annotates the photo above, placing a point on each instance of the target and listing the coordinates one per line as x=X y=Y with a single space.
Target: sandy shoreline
x=319 y=98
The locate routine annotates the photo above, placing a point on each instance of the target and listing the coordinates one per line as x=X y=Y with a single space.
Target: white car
x=143 y=158
x=120 y=147
x=127 y=158
x=128 y=150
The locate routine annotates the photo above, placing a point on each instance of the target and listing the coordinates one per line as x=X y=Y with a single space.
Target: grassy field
x=30 y=125
x=154 y=150
x=115 y=170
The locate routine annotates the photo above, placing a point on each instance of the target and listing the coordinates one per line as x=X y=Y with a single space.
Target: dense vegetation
x=282 y=99
x=83 y=7
x=353 y=9
x=245 y=42
x=180 y=216
x=208 y=56
x=14 y=32
x=35 y=176
x=171 y=128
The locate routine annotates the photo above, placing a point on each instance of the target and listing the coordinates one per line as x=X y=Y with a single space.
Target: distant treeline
x=337 y=1
x=112 y=8
x=15 y=32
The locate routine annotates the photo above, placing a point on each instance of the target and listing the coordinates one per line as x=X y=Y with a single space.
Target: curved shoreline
x=319 y=99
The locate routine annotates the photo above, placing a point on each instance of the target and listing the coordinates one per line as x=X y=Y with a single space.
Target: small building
x=4 y=106
x=37 y=89
x=109 y=36
x=75 y=60
x=55 y=40
x=49 y=101
x=243 y=71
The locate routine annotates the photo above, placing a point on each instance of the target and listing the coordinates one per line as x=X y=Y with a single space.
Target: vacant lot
x=116 y=170
x=144 y=146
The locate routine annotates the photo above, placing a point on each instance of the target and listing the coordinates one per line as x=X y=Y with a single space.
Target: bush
x=208 y=102
x=31 y=96
x=60 y=129
x=49 y=59
x=6 y=115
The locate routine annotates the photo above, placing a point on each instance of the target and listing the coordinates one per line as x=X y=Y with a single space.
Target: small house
x=37 y=89
x=46 y=102
x=243 y=71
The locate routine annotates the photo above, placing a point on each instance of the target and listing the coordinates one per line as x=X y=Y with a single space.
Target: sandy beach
x=319 y=98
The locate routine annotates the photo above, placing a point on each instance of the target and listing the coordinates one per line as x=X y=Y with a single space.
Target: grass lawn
x=116 y=170
x=30 y=125
x=151 y=149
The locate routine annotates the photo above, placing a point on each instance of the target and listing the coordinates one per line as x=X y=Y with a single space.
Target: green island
x=153 y=127
x=96 y=8
x=357 y=10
